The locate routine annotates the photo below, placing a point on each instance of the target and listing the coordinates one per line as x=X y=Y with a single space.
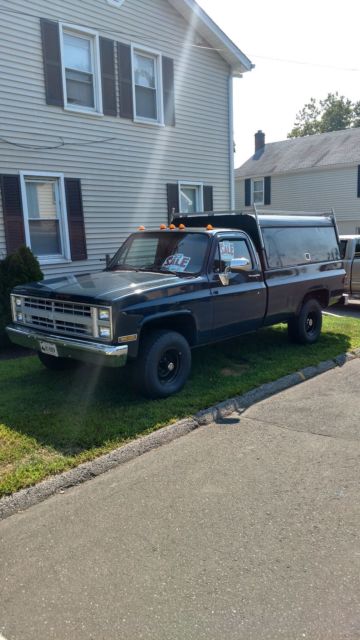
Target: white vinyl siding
x=124 y=166
x=314 y=190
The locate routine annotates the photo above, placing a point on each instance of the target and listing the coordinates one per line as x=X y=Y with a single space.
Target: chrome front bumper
x=92 y=352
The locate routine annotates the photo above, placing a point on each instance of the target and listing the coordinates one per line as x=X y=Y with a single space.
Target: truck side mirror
x=240 y=264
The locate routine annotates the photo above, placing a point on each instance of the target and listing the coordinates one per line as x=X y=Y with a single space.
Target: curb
x=26 y=498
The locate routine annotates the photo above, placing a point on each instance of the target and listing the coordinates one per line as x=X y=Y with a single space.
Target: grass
x=50 y=422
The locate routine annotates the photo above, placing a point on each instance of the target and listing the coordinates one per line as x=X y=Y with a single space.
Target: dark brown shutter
x=12 y=212
x=247 y=192
x=172 y=200
x=208 y=198
x=125 y=81
x=267 y=190
x=169 y=92
x=107 y=59
x=52 y=62
x=75 y=216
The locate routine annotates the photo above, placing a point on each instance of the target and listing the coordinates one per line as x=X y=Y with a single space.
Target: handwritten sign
x=227 y=251
x=176 y=262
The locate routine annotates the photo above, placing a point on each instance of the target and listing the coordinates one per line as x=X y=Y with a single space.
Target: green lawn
x=50 y=422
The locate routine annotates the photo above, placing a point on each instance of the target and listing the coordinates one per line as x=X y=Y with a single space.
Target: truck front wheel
x=305 y=328
x=163 y=365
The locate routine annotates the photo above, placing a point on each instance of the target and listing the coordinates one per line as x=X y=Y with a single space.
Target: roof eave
x=206 y=27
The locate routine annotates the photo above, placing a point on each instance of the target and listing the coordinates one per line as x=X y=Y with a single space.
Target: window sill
x=50 y=261
x=84 y=112
x=152 y=123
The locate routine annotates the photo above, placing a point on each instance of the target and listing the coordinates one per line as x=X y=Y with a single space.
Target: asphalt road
x=244 y=530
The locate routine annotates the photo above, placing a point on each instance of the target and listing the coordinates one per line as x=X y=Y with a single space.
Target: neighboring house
x=314 y=173
x=113 y=113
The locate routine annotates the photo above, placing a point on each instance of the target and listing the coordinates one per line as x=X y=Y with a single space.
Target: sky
x=300 y=49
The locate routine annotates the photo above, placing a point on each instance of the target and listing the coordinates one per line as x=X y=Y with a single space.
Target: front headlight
x=104 y=314
x=19 y=317
x=104 y=332
x=18 y=302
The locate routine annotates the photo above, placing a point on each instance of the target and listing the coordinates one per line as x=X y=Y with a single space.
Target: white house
x=113 y=113
x=319 y=172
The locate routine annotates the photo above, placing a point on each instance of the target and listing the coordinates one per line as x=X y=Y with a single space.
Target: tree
x=331 y=114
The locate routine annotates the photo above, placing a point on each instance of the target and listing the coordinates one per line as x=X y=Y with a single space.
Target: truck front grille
x=67 y=318
x=62 y=317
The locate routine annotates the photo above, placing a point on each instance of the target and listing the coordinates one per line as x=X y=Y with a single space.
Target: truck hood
x=103 y=286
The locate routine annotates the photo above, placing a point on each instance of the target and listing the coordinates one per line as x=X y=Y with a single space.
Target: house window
x=80 y=68
x=258 y=191
x=45 y=216
x=147 y=86
x=191 y=197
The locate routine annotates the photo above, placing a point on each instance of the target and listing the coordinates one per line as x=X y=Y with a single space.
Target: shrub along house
x=313 y=173
x=113 y=113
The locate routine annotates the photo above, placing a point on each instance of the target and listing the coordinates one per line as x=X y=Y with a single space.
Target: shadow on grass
x=74 y=412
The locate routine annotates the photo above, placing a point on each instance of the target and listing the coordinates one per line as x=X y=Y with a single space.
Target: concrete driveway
x=244 y=530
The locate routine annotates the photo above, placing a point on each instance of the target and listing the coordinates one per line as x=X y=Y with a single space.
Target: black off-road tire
x=57 y=364
x=305 y=328
x=163 y=364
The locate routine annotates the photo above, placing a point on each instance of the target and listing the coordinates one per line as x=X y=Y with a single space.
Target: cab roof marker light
x=181 y=227
x=141 y=228
x=162 y=227
x=172 y=226
x=209 y=227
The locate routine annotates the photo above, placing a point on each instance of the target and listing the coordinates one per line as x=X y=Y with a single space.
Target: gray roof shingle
x=319 y=150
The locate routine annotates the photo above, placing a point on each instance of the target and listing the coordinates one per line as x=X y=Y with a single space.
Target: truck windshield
x=166 y=252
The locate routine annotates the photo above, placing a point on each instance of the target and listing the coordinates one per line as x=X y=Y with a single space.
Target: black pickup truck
x=203 y=279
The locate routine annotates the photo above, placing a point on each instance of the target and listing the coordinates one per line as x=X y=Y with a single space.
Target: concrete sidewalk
x=245 y=529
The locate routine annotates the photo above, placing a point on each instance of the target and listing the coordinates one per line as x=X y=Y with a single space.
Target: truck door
x=355 y=271
x=239 y=306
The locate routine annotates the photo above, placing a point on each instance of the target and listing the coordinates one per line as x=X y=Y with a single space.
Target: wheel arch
x=183 y=323
x=321 y=295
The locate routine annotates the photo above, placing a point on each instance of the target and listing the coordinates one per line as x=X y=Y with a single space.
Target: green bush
x=17 y=268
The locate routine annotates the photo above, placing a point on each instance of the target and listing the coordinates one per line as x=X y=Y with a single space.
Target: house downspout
x=231 y=142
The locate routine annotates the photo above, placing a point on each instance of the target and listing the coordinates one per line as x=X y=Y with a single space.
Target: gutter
x=231 y=142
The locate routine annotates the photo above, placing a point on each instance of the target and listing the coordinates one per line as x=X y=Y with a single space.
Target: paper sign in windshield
x=227 y=251
x=176 y=262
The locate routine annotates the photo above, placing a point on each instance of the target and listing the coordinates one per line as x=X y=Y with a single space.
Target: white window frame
x=252 y=190
x=158 y=81
x=63 y=222
x=115 y=3
x=93 y=36
x=199 y=186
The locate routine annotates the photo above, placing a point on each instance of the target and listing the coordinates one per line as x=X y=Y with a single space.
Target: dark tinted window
x=299 y=245
x=343 y=244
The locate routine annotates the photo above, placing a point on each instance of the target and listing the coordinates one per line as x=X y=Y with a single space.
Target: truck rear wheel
x=57 y=364
x=163 y=365
x=305 y=328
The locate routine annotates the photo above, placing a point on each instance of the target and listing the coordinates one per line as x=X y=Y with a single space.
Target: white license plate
x=49 y=348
